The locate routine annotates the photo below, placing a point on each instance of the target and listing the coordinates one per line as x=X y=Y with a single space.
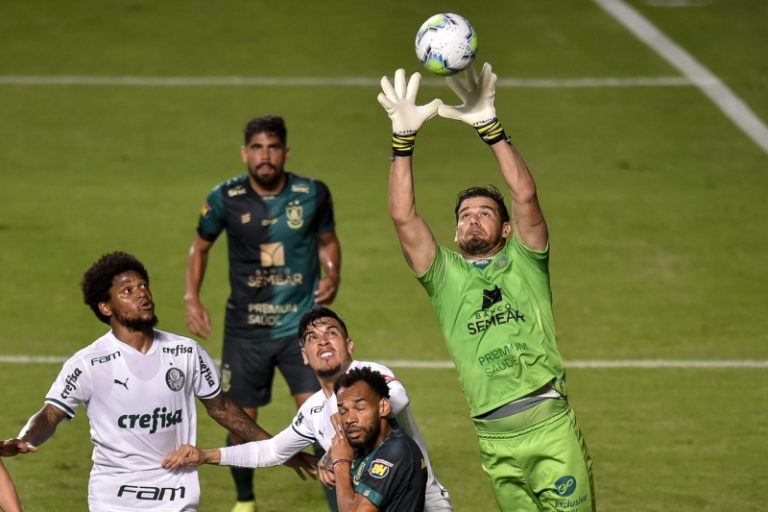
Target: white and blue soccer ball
x=446 y=43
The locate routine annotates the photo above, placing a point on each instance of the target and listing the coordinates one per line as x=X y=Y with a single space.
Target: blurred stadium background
x=119 y=116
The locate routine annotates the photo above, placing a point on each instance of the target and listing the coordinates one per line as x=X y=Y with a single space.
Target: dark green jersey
x=497 y=322
x=272 y=243
x=393 y=476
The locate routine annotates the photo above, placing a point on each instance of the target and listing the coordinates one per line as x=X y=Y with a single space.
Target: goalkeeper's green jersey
x=497 y=322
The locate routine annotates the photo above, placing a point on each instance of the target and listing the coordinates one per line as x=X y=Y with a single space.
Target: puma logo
x=124 y=384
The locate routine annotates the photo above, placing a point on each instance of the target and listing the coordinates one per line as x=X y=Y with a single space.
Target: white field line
x=427 y=365
x=349 y=81
x=731 y=105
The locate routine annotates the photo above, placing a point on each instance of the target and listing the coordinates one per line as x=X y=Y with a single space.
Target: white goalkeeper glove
x=400 y=103
x=478 y=111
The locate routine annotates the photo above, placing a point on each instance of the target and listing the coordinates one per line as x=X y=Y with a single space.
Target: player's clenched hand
x=198 y=320
x=302 y=462
x=186 y=455
x=325 y=471
x=399 y=100
x=326 y=291
x=12 y=447
x=477 y=94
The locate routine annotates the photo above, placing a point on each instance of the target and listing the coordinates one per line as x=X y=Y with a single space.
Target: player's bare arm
x=232 y=417
x=416 y=239
x=198 y=319
x=39 y=428
x=528 y=222
x=329 y=252
x=399 y=101
x=477 y=93
x=9 y=499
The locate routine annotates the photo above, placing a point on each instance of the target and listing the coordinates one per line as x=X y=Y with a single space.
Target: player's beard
x=136 y=324
x=329 y=372
x=369 y=439
x=477 y=246
x=268 y=181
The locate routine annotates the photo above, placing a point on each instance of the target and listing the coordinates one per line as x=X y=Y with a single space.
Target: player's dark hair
x=272 y=125
x=487 y=191
x=371 y=377
x=97 y=280
x=315 y=316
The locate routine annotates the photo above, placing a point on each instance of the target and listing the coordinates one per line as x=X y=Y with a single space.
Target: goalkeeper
x=493 y=302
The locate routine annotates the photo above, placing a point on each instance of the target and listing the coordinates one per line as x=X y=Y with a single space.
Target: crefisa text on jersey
x=206 y=373
x=70 y=382
x=160 y=417
x=177 y=350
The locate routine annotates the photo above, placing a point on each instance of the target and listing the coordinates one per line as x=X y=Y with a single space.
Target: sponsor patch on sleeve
x=379 y=468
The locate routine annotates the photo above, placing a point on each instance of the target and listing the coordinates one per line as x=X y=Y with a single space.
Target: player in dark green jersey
x=284 y=257
x=388 y=471
x=493 y=302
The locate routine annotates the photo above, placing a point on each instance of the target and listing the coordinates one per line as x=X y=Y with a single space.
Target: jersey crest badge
x=379 y=468
x=502 y=262
x=175 y=379
x=295 y=215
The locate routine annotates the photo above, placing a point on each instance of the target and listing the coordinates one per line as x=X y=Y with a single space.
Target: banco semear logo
x=565 y=485
x=491 y=297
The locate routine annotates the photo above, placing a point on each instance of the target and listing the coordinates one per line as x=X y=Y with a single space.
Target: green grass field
x=655 y=202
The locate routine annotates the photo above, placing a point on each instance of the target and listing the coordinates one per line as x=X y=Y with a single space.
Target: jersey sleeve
x=398 y=396
x=71 y=388
x=391 y=470
x=301 y=424
x=432 y=280
x=206 y=381
x=261 y=454
x=324 y=220
x=211 y=222
x=537 y=259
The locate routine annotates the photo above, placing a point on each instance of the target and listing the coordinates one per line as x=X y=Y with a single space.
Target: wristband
x=492 y=132
x=402 y=144
x=338 y=461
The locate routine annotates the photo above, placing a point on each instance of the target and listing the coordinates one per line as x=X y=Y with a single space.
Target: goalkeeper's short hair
x=488 y=191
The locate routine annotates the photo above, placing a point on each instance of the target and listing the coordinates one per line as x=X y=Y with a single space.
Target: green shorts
x=537 y=460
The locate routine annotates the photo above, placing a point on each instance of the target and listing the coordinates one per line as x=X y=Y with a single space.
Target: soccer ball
x=446 y=43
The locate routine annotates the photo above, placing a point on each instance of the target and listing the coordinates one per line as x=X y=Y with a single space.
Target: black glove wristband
x=492 y=132
x=402 y=145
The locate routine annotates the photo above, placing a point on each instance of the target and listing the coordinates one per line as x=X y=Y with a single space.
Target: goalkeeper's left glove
x=478 y=109
x=400 y=103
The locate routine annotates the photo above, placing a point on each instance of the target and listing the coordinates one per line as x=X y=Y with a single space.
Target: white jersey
x=141 y=407
x=312 y=423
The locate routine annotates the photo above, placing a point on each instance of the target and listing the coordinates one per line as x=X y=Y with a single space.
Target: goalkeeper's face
x=326 y=347
x=265 y=157
x=480 y=230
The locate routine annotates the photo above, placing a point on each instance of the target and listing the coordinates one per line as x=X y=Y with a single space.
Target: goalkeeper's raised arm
x=399 y=100
x=477 y=93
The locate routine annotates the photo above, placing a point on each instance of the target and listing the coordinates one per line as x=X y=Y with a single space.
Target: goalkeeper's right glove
x=478 y=109
x=407 y=117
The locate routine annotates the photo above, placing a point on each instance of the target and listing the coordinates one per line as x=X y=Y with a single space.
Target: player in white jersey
x=327 y=348
x=138 y=386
